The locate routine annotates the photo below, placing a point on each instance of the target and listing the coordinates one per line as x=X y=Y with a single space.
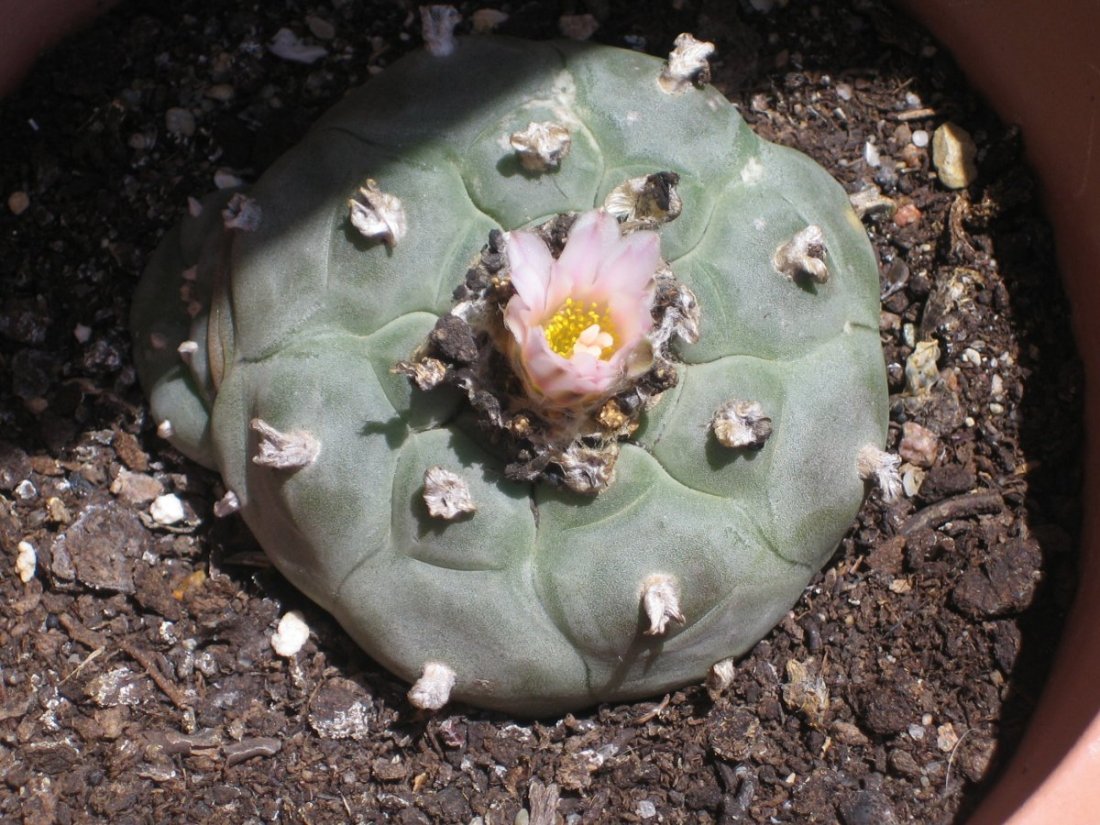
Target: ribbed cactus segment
x=532 y=599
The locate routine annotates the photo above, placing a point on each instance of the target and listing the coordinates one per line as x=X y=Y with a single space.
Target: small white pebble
x=843 y=91
x=224 y=179
x=646 y=809
x=227 y=505
x=286 y=45
x=916 y=732
x=26 y=561
x=25 y=490
x=291 y=634
x=920 y=138
x=996 y=408
x=871 y=155
x=165 y=429
x=18 y=202
x=82 y=333
x=167 y=509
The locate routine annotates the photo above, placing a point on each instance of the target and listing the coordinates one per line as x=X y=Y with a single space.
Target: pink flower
x=580 y=322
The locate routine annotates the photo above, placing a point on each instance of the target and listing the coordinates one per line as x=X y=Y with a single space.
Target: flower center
x=578 y=328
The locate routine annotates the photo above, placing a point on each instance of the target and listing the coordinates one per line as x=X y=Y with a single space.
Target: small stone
x=82 y=333
x=378 y=215
x=720 y=677
x=920 y=138
x=578 y=26
x=953 y=153
x=290 y=635
x=687 y=64
x=646 y=809
x=660 y=597
x=341 y=709
x=227 y=505
x=18 y=202
x=486 y=20
x=946 y=738
x=26 y=561
x=437 y=25
x=56 y=511
x=919 y=445
x=446 y=494
x=165 y=429
x=433 y=689
x=803 y=256
x=286 y=45
x=222 y=92
x=907 y=215
x=167 y=509
x=25 y=490
x=738 y=424
x=320 y=28
x=224 y=179
x=541 y=147
x=179 y=122
x=921 y=371
x=870 y=202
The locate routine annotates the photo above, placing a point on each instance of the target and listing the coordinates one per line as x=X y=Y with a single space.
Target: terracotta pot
x=1034 y=60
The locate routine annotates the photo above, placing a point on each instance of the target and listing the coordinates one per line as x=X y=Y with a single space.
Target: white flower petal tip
x=661 y=602
x=286 y=45
x=242 y=213
x=433 y=689
x=646 y=200
x=437 y=25
x=447 y=494
x=227 y=505
x=377 y=215
x=541 y=147
x=290 y=635
x=720 y=677
x=880 y=467
x=284 y=451
x=741 y=424
x=803 y=256
x=687 y=64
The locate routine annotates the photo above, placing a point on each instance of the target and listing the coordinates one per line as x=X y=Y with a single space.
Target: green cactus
x=542 y=599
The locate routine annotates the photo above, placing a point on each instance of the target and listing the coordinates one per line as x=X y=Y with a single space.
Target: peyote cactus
x=508 y=499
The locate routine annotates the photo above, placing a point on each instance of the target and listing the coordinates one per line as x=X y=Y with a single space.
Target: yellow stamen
x=576 y=328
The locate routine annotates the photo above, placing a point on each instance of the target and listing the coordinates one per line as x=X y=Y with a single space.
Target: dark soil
x=137 y=679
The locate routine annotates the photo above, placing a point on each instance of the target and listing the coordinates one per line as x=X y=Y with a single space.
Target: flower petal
x=593 y=236
x=530 y=262
x=632 y=265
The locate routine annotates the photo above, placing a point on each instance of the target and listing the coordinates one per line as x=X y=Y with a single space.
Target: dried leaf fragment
x=447 y=494
x=433 y=689
x=377 y=215
x=803 y=256
x=661 y=603
x=739 y=424
x=880 y=467
x=687 y=64
x=719 y=678
x=284 y=451
x=541 y=146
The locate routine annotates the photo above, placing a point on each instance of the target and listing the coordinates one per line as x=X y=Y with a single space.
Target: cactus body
x=536 y=601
